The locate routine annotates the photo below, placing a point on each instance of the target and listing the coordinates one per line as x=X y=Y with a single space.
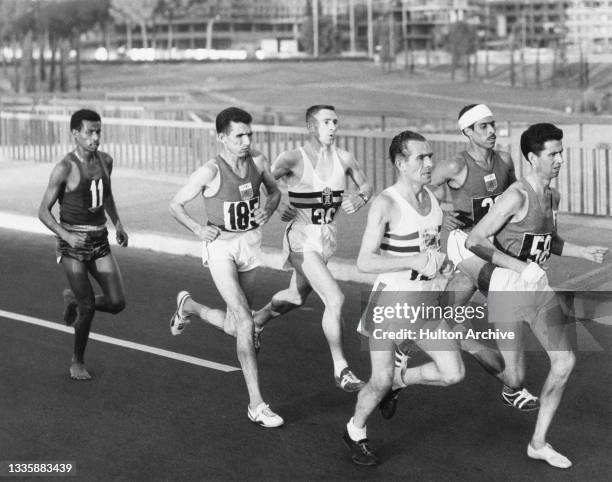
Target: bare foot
x=70 y=309
x=78 y=371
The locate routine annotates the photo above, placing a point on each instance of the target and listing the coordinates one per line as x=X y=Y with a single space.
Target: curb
x=341 y=268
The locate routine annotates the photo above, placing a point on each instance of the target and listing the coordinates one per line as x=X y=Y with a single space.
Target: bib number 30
x=323 y=215
x=239 y=215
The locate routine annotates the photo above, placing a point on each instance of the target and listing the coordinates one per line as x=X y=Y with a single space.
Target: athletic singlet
x=476 y=195
x=231 y=207
x=317 y=200
x=414 y=233
x=531 y=237
x=85 y=204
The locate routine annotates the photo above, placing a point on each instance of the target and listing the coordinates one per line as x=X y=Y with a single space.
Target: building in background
x=424 y=20
x=530 y=23
x=589 y=25
x=224 y=24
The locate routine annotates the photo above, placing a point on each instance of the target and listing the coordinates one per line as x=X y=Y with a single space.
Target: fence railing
x=181 y=146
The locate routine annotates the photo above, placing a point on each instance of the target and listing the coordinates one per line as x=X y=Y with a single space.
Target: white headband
x=473 y=115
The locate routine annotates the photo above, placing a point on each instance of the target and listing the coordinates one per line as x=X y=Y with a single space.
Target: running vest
x=531 y=237
x=415 y=233
x=480 y=188
x=85 y=204
x=232 y=206
x=317 y=200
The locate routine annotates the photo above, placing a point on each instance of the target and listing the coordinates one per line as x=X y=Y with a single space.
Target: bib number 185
x=238 y=215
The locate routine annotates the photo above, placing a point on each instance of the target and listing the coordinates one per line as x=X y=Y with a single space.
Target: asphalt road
x=147 y=417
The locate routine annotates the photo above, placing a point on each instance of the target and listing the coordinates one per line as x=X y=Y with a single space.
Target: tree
x=171 y=9
x=140 y=12
x=461 y=42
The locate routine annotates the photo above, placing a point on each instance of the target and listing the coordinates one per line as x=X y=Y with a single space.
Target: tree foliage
x=461 y=42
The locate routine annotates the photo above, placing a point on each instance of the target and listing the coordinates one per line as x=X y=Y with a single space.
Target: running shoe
x=361 y=451
x=520 y=399
x=348 y=382
x=179 y=320
x=549 y=455
x=388 y=405
x=264 y=416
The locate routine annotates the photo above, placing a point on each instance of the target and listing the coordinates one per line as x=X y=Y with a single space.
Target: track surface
x=146 y=417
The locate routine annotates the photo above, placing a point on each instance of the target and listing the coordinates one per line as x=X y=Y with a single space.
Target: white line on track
x=123 y=343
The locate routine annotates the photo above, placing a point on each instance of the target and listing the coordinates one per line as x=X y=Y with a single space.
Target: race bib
x=238 y=215
x=96 y=190
x=324 y=214
x=481 y=206
x=536 y=247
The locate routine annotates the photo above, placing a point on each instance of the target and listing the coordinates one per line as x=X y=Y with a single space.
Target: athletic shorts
x=96 y=244
x=243 y=249
x=301 y=237
x=511 y=299
x=391 y=289
x=475 y=268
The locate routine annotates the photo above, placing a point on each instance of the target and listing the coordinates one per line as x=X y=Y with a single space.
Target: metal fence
x=180 y=147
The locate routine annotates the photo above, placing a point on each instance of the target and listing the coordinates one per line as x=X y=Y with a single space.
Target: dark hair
x=231 y=114
x=533 y=139
x=397 y=144
x=76 y=121
x=314 y=109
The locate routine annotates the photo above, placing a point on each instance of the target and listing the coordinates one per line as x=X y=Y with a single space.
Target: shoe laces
x=365 y=447
x=267 y=411
x=349 y=377
x=525 y=395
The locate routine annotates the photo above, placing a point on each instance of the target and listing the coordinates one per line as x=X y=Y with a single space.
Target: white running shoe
x=264 y=416
x=179 y=320
x=549 y=455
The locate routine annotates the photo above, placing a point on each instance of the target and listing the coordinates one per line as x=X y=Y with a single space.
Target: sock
x=356 y=434
x=339 y=366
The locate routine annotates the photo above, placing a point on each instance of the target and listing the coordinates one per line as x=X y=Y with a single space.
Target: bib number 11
x=97 y=194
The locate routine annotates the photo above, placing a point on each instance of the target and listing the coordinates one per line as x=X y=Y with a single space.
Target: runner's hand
x=450 y=220
x=432 y=262
x=76 y=240
x=594 y=253
x=447 y=269
x=122 y=237
x=352 y=203
x=287 y=212
x=261 y=216
x=532 y=273
x=208 y=233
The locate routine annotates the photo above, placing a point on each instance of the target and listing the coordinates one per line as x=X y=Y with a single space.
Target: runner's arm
x=109 y=204
x=369 y=259
x=56 y=186
x=273 y=194
x=195 y=186
x=444 y=172
x=283 y=166
x=355 y=202
x=507 y=205
x=563 y=248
